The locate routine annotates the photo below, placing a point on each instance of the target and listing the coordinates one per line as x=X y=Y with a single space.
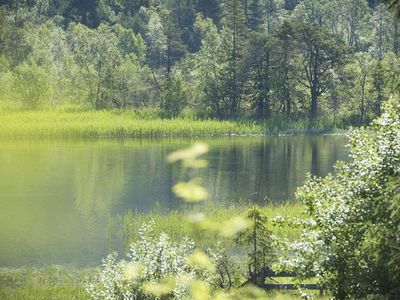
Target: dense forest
x=229 y=59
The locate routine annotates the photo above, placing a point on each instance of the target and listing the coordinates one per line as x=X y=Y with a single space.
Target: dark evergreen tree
x=234 y=23
x=286 y=48
x=210 y=9
x=84 y=12
x=255 y=16
x=291 y=4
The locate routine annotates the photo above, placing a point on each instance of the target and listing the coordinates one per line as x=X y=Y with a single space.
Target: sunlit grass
x=177 y=223
x=77 y=122
x=36 y=284
x=113 y=124
x=67 y=283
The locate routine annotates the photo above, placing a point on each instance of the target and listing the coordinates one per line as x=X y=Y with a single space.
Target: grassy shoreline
x=95 y=124
x=66 y=282
x=52 y=282
x=176 y=223
x=119 y=124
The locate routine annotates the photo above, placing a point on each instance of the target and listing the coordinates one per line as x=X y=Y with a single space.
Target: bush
x=31 y=85
x=173 y=97
x=156 y=267
x=351 y=241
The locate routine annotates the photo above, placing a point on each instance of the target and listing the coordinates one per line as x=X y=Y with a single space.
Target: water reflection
x=56 y=196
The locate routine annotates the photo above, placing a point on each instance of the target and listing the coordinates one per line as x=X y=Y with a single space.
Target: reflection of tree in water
x=314 y=157
x=269 y=168
x=100 y=177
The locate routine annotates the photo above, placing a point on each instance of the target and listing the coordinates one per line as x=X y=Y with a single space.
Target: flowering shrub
x=160 y=269
x=340 y=243
x=156 y=267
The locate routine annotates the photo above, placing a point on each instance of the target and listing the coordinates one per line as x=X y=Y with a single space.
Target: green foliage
x=324 y=55
x=215 y=274
x=73 y=121
x=259 y=239
x=348 y=243
x=52 y=282
x=31 y=85
x=235 y=59
x=173 y=97
x=156 y=268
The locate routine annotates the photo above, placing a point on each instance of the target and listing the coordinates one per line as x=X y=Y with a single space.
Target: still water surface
x=56 y=196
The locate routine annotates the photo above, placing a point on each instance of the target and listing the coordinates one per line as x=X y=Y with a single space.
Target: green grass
x=176 y=224
x=78 y=122
x=57 y=282
x=113 y=124
x=54 y=282
x=324 y=125
x=62 y=283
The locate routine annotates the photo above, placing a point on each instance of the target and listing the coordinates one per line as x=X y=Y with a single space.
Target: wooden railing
x=268 y=273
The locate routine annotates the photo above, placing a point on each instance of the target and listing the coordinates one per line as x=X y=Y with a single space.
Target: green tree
x=363 y=81
x=354 y=20
x=258 y=62
x=350 y=242
x=258 y=238
x=235 y=30
x=31 y=85
x=211 y=63
x=173 y=96
x=286 y=49
x=255 y=15
x=210 y=9
x=323 y=54
x=382 y=35
x=378 y=86
x=85 y=12
x=96 y=52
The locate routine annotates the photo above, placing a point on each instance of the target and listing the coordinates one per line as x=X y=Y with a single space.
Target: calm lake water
x=56 y=196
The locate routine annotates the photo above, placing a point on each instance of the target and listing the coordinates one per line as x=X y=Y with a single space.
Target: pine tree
x=235 y=29
x=210 y=9
x=256 y=13
x=259 y=240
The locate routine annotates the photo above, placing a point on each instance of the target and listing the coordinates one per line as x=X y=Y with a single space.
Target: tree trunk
x=396 y=46
x=255 y=254
x=233 y=112
x=314 y=103
x=362 y=108
x=286 y=92
x=267 y=85
x=169 y=56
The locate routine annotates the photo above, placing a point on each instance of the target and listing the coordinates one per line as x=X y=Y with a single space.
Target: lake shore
x=64 y=283
x=67 y=281
x=119 y=124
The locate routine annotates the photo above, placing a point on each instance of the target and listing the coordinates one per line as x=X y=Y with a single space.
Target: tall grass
x=80 y=122
x=60 y=282
x=124 y=228
x=55 y=282
x=113 y=124
x=324 y=125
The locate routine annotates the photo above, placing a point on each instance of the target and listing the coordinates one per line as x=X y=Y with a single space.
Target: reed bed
x=176 y=224
x=96 y=124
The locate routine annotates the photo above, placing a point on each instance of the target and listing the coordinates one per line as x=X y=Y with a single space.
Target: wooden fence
x=270 y=274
